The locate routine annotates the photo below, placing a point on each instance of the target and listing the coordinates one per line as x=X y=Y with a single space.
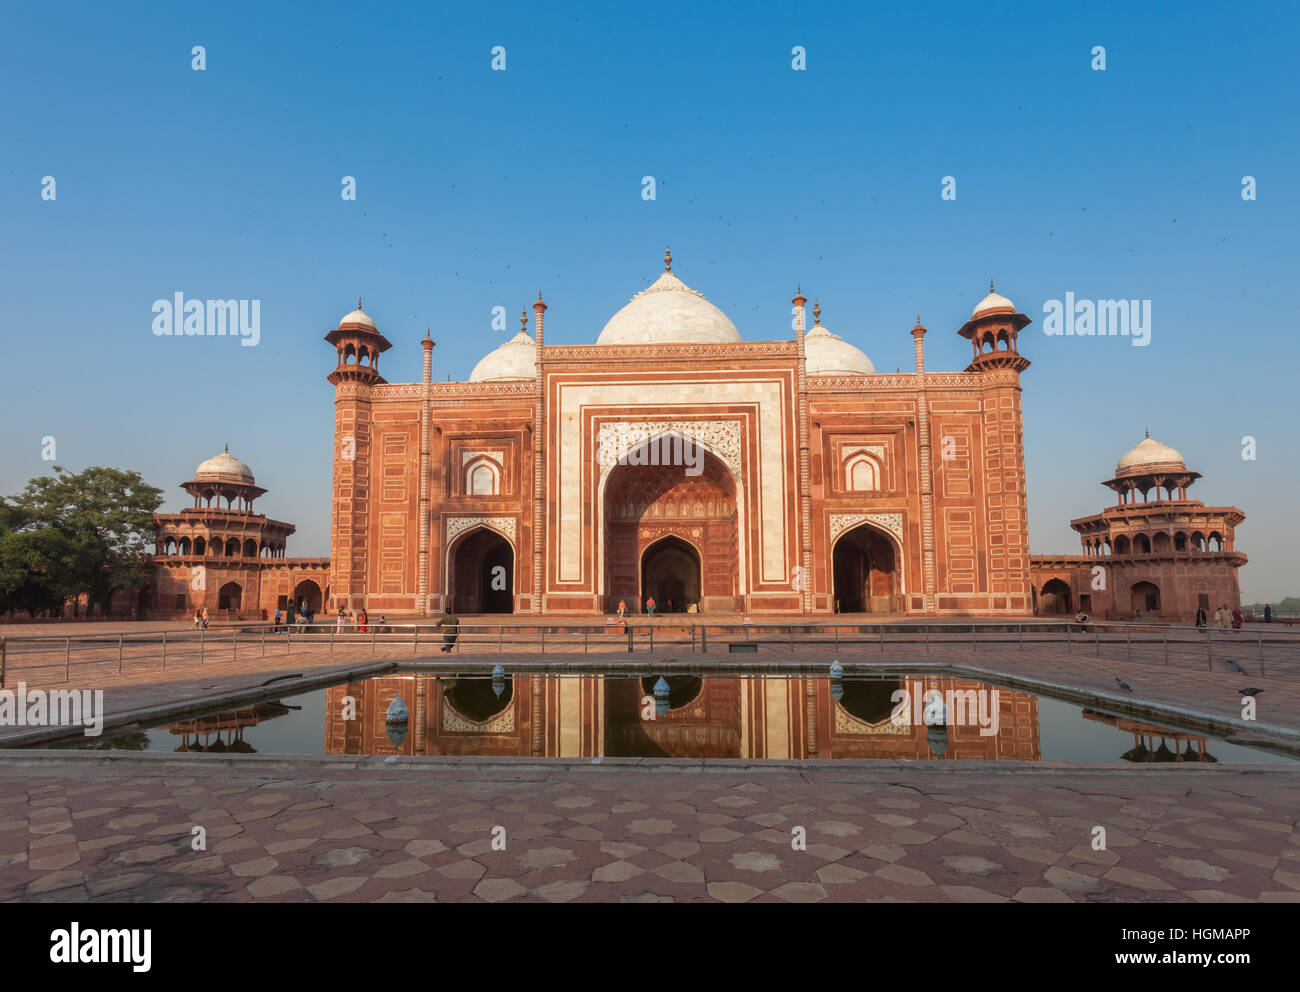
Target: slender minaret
x=805 y=488
x=927 y=471
x=539 y=478
x=426 y=416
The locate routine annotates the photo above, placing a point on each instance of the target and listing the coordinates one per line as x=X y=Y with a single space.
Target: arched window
x=482 y=478
x=862 y=474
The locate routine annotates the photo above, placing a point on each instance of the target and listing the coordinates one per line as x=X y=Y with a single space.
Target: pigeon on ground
x=1124 y=685
x=1250 y=692
x=1234 y=666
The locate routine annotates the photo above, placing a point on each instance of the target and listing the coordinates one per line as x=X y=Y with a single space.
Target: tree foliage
x=67 y=534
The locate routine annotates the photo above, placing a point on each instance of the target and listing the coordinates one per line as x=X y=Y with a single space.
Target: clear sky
x=476 y=188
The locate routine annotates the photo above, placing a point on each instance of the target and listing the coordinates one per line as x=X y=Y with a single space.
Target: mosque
x=674 y=460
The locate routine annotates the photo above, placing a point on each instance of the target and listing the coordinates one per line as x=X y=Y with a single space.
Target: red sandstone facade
x=539 y=485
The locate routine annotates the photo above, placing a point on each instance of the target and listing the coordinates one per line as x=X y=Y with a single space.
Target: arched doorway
x=1146 y=597
x=229 y=596
x=671 y=487
x=670 y=572
x=865 y=572
x=307 y=591
x=1055 y=597
x=483 y=573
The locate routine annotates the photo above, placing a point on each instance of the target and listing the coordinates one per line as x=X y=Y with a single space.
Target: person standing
x=450 y=629
x=1237 y=618
x=289 y=613
x=365 y=618
x=1201 y=619
x=1268 y=613
x=276 y=625
x=204 y=625
x=198 y=618
x=340 y=620
x=1221 y=617
x=650 y=607
x=622 y=609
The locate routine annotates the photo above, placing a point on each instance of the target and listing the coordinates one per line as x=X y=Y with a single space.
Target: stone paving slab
x=305 y=830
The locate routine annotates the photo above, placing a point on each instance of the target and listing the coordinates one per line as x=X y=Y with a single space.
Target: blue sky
x=477 y=188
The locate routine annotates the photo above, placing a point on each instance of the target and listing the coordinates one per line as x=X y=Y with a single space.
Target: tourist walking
x=450 y=629
x=340 y=627
x=198 y=618
x=650 y=606
x=365 y=618
x=204 y=625
x=1221 y=617
x=276 y=625
x=1237 y=618
x=1200 y=617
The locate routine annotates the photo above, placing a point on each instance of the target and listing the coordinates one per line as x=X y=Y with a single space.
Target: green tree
x=67 y=534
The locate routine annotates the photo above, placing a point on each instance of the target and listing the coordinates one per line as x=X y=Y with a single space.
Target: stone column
x=805 y=487
x=539 y=478
x=926 y=472
x=426 y=413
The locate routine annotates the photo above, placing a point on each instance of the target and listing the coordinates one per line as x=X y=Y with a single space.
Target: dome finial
x=990 y=284
x=817 y=311
x=228 y=446
x=1148 y=433
x=523 y=321
x=668 y=259
x=359 y=304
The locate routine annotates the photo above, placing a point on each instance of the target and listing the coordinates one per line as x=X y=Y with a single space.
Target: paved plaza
x=120 y=826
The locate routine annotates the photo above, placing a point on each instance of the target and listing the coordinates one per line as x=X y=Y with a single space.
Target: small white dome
x=224 y=468
x=1150 y=456
x=669 y=311
x=357 y=317
x=829 y=354
x=992 y=302
x=516 y=359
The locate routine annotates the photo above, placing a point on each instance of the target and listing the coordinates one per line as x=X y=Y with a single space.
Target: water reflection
x=224 y=732
x=1186 y=746
x=684 y=716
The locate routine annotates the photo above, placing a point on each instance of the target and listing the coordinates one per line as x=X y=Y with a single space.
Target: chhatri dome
x=1149 y=456
x=829 y=354
x=516 y=359
x=993 y=303
x=669 y=312
x=224 y=468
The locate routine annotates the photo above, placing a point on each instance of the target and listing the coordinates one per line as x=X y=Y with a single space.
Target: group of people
x=1223 y=618
x=200 y=619
x=650 y=607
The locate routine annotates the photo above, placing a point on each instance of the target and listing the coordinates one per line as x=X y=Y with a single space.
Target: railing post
x=202 y=641
x=374 y=629
x=1209 y=650
x=792 y=638
x=67 y=661
x=835 y=628
x=1128 y=641
x=880 y=633
x=2 y=662
x=926 y=628
x=543 y=638
x=1166 y=645
x=1068 y=648
x=629 y=640
x=263 y=641
x=1097 y=640
x=584 y=640
x=704 y=639
x=501 y=634
x=234 y=645
x=333 y=630
x=286 y=637
x=1020 y=629
x=974 y=646
x=415 y=641
x=1259 y=653
x=652 y=639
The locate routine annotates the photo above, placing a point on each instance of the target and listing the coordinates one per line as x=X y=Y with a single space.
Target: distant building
x=226 y=557
x=1165 y=556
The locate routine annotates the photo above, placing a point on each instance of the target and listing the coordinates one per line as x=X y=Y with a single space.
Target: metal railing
x=1269 y=652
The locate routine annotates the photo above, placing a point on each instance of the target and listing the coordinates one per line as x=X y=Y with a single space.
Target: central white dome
x=830 y=354
x=669 y=312
x=516 y=359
